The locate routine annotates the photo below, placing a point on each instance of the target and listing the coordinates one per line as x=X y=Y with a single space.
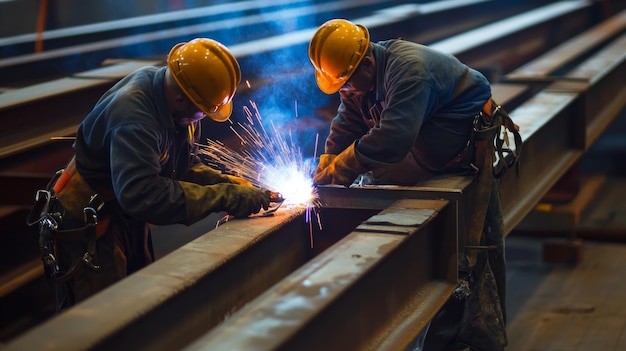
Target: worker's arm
x=202 y=174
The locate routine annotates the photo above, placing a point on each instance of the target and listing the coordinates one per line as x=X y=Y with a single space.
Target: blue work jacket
x=414 y=84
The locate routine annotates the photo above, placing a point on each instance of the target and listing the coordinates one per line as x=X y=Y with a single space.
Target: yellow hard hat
x=208 y=73
x=336 y=50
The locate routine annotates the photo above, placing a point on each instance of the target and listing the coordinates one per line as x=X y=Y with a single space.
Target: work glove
x=342 y=169
x=205 y=175
x=237 y=180
x=325 y=161
x=237 y=200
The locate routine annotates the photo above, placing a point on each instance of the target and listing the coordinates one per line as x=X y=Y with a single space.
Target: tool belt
x=491 y=125
x=68 y=194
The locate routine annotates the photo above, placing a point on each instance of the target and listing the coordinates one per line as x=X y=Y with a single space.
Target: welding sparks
x=269 y=160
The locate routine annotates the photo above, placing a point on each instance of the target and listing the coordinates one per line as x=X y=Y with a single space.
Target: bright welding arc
x=268 y=160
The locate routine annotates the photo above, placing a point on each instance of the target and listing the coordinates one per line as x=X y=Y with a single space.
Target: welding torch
x=275 y=197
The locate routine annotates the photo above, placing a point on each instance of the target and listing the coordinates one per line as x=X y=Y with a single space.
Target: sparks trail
x=268 y=159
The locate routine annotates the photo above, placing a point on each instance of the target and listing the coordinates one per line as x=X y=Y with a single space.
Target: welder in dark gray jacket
x=407 y=112
x=136 y=163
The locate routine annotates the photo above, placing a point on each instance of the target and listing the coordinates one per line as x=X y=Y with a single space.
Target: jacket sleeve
x=345 y=128
x=407 y=103
x=235 y=199
x=202 y=174
x=135 y=175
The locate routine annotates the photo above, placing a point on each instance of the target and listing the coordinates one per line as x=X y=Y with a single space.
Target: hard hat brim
x=326 y=85
x=223 y=113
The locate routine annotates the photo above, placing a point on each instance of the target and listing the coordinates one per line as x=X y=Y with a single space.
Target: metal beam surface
x=548 y=125
x=551 y=64
x=600 y=81
x=185 y=293
x=354 y=267
x=376 y=289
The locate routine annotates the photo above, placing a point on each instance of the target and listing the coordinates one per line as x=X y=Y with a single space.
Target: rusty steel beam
x=590 y=64
x=376 y=289
x=509 y=43
x=228 y=267
x=595 y=79
x=600 y=82
x=184 y=294
x=549 y=66
x=548 y=126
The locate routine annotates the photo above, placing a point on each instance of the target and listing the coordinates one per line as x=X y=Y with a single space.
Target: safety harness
x=493 y=157
x=68 y=193
x=484 y=317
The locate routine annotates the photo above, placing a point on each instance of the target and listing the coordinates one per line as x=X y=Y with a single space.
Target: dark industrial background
x=565 y=257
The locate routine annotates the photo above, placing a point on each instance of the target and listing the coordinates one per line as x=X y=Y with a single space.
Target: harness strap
x=488 y=107
x=42 y=202
x=484 y=134
x=70 y=171
x=486 y=125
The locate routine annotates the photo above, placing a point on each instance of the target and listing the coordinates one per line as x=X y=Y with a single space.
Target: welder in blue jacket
x=136 y=163
x=406 y=112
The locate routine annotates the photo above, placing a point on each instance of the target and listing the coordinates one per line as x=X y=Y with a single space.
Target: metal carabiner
x=40 y=209
x=90 y=216
x=88 y=260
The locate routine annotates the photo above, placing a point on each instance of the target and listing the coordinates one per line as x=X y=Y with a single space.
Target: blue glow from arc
x=268 y=157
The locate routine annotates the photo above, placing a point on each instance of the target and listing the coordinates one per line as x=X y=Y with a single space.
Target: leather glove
x=237 y=180
x=205 y=175
x=341 y=170
x=237 y=200
x=242 y=201
x=325 y=161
